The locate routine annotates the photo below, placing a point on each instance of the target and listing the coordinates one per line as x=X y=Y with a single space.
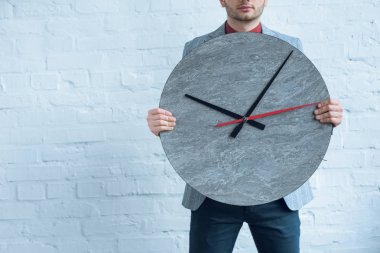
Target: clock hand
x=227 y=112
x=262 y=115
x=237 y=129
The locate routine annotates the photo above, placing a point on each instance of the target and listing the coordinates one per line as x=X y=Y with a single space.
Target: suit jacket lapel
x=218 y=32
x=267 y=31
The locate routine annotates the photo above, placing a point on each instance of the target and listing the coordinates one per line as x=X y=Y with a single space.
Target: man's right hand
x=160 y=120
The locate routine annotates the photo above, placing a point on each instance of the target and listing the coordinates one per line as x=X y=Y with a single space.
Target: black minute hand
x=237 y=129
x=227 y=112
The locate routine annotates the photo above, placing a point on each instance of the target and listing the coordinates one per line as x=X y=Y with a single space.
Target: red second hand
x=258 y=116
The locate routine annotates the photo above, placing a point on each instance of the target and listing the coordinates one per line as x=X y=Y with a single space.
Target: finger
x=329 y=101
x=160 y=129
x=158 y=123
x=327 y=108
x=162 y=117
x=329 y=114
x=334 y=121
x=159 y=111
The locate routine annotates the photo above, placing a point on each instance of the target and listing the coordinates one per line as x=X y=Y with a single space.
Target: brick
x=109 y=226
x=19 y=26
x=74 y=135
x=90 y=189
x=15 y=83
x=74 y=61
x=76 y=78
x=171 y=204
x=10 y=231
x=101 y=115
x=122 y=187
x=60 y=190
x=75 y=26
x=31 y=247
x=165 y=224
x=160 y=6
x=344 y=159
x=374 y=158
x=180 y=5
x=365 y=178
x=16 y=101
x=58 y=153
x=6 y=192
x=54 y=228
x=127 y=23
x=142 y=6
x=105 y=80
x=16 y=155
x=102 y=245
x=95 y=170
x=17 y=173
x=107 y=42
x=66 y=209
x=143 y=244
x=73 y=245
x=127 y=58
x=23 y=63
x=129 y=150
x=59 y=44
x=126 y=205
x=36 y=9
x=151 y=59
x=361 y=103
x=8 y=119
x=7 y=46
x=147 y=43
x=323 y=51
x=33 y=117
x=332 y=178
x=31 y=191
x=31 y=47
x=364 y=122
x=45 y=81
x=160 y=185
x=97 y=6
x=25 y=136
x=360 y=140
x=17 y=210
x=118 y=132
x=138 y=168
x=6 y=10
x=307 y=218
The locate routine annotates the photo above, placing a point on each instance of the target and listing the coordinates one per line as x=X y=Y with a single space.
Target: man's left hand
x=329 y=111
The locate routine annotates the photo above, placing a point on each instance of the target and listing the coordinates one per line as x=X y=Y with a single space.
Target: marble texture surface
x=258 y=166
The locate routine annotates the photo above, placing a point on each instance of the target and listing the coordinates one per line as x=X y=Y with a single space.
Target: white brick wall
x=79 y=170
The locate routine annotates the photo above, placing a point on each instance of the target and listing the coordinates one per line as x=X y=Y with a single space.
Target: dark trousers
x=215 y=226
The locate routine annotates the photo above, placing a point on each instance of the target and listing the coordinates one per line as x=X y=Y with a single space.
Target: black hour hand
x=250 y=110
x=226 y=112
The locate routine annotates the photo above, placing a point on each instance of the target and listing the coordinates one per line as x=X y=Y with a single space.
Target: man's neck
x=241 y=26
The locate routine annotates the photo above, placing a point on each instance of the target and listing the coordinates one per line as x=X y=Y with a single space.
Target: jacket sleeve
x=185 y=49
x=299 y=45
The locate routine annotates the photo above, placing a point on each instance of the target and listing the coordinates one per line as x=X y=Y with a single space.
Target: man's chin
x=246 y=18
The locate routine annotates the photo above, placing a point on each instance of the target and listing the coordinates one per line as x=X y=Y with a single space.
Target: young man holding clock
x=275 y=226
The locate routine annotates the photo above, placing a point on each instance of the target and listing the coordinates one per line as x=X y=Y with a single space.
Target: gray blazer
x=192 y=199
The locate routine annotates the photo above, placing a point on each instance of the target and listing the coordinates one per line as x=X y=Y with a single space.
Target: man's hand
x=160 y=120
x=329 y=111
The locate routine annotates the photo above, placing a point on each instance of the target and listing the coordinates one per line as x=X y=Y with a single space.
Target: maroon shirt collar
x=229 y=29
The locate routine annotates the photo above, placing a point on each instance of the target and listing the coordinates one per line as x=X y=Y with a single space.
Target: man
x=275 y=226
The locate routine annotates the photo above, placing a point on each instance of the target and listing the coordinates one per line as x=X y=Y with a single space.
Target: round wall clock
x=245 y=132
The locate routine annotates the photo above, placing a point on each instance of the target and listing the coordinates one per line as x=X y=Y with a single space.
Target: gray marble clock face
x=258 y=166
